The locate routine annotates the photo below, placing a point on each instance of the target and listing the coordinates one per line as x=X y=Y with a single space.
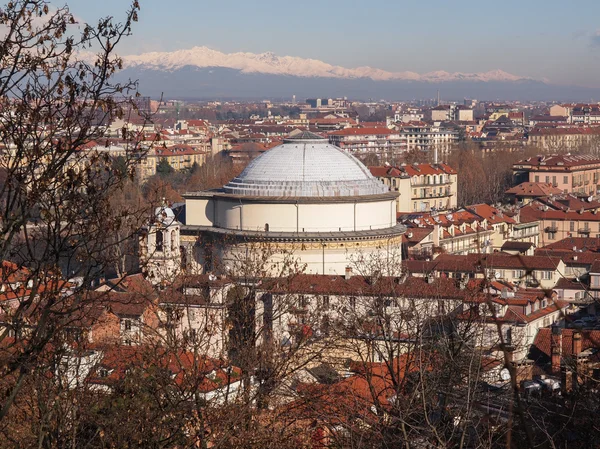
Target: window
x=565 y=179
x=159 y=241
x=546 y=275
x=353 y=302
x=325 y=302
x=103 y=372
x=537 y=178
x=518 y=274
x=547 y=179
x=554 y=180
x=266 y=227
x=127 y=325
x=572 y=226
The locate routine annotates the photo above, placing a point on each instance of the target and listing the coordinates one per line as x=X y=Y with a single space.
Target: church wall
x=199 y=212
x=278 y=217
x=329 y=258
x=375 y=215
x=326 y=217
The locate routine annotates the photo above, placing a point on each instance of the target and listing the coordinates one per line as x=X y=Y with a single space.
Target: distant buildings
x=427 y=137
x=382 y=141
x=449 y=113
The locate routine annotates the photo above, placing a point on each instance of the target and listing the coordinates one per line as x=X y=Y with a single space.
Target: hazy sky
x=552 y=39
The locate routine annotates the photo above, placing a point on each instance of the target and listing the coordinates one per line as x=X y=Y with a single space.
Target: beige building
x=563 y=139
x=560 y=224
x=570 y=173
x=450 y=112
x=180 y=157
x=421 y=187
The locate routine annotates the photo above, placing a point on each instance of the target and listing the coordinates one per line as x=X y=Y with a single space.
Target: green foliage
x=164 y=168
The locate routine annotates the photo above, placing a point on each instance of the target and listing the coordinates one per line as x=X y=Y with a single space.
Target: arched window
x=173 y=241
x=266 y=227
x=159 y=241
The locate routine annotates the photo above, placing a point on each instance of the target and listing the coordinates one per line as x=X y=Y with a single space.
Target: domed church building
x=306 y=198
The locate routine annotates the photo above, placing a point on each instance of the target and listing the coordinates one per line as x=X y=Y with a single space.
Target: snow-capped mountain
x=269 y=63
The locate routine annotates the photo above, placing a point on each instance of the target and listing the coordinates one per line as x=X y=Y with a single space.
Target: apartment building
x=180 y=157
x=582 y=114
x=475 y=229
x=560 y=224
x=450 y=112
x=426 y=137
x=384 y=142
x=422 y=187
x=554 y=139
x=570 y=173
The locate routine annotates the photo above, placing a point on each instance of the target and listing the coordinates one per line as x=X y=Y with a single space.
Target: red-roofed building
x=422 y=187
x=570 y=173
x=527 y=191
x=562 y=223
x=475 y=229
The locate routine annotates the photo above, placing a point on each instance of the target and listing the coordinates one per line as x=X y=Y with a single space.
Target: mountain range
x=203 y=73
x=270 y=63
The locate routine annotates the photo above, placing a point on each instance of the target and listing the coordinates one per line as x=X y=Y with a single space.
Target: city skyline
x=546 y=41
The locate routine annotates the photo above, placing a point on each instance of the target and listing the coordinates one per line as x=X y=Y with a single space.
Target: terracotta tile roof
x=556 y=161
x=534 y=189
x=535 y=212
x=492 y=214
x=570 y=284
x=580 y=243
x=413 y=236
x=568 y=202
x=415 y=287
x=178 y=150
x=569 y=257
x=590 y=339
x=185 y=368
x=476 y=262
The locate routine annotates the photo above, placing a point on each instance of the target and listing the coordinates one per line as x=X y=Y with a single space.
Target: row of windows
x=586 y=226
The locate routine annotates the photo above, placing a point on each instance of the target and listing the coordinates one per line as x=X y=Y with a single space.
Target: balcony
x=551 y=229
x=583 y=231
x=431 y=184
x=432 y=195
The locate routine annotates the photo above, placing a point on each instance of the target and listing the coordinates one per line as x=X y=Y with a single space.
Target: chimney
x=566 y=381
x=556 y=349
x=348 y=273
x=576 y=344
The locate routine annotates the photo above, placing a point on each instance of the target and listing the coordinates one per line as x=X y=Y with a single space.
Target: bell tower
x=160 y=254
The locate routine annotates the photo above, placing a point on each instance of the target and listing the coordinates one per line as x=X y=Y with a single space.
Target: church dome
x=305 y=165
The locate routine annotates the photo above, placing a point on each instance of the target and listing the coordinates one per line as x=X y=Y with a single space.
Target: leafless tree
x=56 y=96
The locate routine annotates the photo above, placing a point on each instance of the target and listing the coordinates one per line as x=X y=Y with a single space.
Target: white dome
x=305 y=165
